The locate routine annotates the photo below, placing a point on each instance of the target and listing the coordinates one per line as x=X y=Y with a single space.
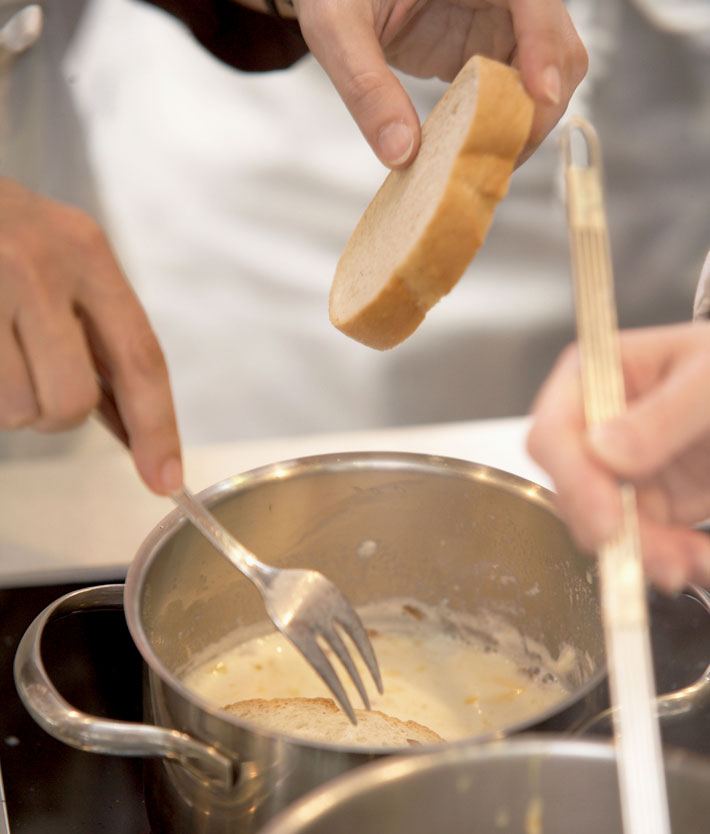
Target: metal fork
x=303 y=605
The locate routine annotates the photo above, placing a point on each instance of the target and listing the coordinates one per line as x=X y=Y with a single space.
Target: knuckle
x=639 y=442
x=535 y=440
x=60 y=422
x=88 y=397
x=143 y=356
x=14 y=263
x=72 y=408
x=18 y=416
x=90 y=236
x=24 y=277
x=365 y=90
x=540 y=442
x=80 y=228
x=319 y=21
x=579 y=61
x=34 y=293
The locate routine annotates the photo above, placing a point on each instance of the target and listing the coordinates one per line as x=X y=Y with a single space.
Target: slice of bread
x=319 y=719
x=424 y=225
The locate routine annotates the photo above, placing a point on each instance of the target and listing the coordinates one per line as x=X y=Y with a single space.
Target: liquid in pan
x=441 y=672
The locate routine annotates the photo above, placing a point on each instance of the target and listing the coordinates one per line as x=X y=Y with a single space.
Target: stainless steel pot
x=441 y=528
x=522 y=786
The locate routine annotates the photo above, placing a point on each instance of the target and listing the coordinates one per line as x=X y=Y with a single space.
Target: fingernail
x=395 y=142
x=171 y=476
x=552 y=84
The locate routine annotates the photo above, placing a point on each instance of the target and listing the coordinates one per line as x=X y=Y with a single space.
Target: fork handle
x=241 y=557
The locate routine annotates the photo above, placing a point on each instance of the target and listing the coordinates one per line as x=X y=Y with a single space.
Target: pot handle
x=672 y=705
x=100 y=735
x=690 y=698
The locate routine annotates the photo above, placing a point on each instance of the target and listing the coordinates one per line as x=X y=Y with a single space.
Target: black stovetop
x=53 y=789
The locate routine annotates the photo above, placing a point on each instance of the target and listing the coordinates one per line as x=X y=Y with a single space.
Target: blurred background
x=229 y=196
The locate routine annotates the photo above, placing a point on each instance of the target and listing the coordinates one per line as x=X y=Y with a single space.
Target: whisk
x=624 y=602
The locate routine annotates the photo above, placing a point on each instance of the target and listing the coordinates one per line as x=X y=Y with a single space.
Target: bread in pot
x=319 y=719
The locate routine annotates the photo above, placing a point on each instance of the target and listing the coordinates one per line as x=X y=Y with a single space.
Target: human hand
x=661 y=445
x=67 y=314
x=354 y=40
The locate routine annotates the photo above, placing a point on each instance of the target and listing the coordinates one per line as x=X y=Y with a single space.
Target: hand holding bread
x=357 y=41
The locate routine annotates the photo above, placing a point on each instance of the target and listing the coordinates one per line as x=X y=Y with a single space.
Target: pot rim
x=311 y=464
x=344 y=787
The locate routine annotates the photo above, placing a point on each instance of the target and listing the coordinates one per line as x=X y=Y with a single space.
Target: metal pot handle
x=672 y=705
x=99 y=735
x=690 y=698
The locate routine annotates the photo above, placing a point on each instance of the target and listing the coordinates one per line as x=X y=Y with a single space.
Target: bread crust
x=326 y=706
x=477 y=181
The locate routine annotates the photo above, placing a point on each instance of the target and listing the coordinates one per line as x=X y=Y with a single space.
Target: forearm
x=243 y=35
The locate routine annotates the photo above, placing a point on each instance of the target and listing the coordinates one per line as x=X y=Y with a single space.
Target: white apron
x=231 y=197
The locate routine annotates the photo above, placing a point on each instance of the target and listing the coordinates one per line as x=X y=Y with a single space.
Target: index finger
x=129 y=357
x=342 y=38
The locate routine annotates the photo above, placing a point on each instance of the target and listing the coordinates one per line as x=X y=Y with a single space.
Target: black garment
x=245 y=39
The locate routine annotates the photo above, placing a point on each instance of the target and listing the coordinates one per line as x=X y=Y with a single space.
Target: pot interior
x=380 y=526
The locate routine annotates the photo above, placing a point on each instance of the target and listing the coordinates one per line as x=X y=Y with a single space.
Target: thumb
x=343 y=40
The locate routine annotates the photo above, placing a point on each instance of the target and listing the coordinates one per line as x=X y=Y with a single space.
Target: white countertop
x=82 y=517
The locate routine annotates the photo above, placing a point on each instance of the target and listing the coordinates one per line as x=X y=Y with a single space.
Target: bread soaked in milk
x=322 y=720
x=438 y=670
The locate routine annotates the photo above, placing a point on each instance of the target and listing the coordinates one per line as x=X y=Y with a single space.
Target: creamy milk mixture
x=442 y=677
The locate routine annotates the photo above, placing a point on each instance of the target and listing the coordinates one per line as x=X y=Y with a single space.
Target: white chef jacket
x=42 y=138
x=42 y=146
x=231 y=197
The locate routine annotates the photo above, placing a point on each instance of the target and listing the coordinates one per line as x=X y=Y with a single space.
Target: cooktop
x=53 y=789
